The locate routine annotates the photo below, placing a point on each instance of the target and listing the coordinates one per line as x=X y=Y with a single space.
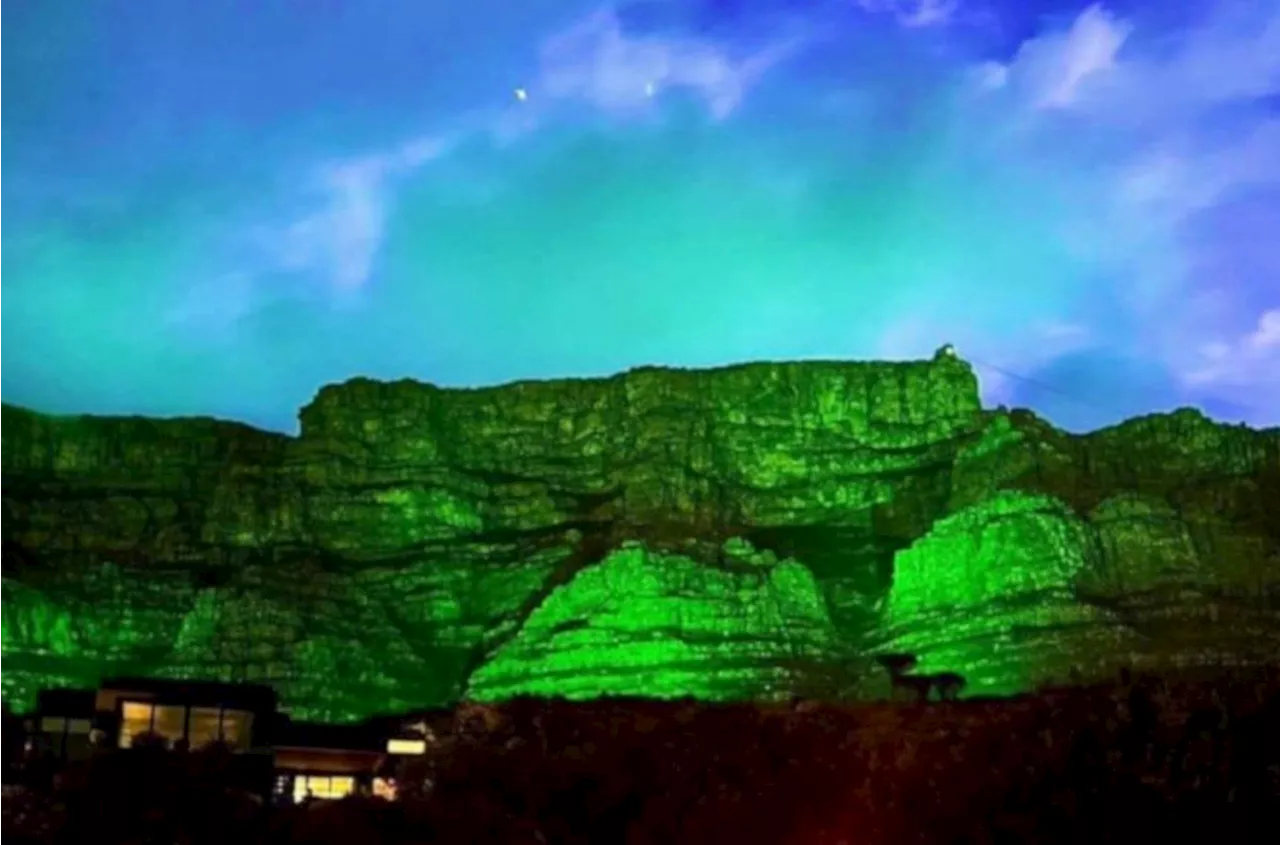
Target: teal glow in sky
x=217 y=207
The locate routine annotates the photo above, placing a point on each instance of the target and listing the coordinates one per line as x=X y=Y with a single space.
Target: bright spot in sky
x=649 y=89
x=522 y=94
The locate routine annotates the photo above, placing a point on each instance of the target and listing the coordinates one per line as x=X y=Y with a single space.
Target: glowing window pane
x=52 y=725
x=203 y=729
x=406 y=746
x=237 y=726
x=323 y=787
x=170 y=722
x=135 y=719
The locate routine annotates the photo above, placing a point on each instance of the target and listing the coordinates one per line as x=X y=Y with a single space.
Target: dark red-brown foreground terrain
x=1157 y=759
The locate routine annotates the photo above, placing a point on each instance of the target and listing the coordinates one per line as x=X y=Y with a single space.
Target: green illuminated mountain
x=750 y=531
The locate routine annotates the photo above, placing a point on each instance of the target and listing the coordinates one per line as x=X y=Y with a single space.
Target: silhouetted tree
x=897 y=664
x=948 y=684
x=918 y=685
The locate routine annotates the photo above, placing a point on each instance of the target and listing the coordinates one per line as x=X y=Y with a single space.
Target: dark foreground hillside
x=1158 y=759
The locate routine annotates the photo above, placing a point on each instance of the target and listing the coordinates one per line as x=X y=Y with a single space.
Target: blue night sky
x=216 y=207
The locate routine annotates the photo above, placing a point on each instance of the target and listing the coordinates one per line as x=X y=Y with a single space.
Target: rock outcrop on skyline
x=751 y=531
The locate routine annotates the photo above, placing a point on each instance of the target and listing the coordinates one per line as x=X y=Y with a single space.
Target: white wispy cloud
x=340 y=239
x=1054 y=69
x=1249 y=360
x=596 y=62
x=1108 y=68
x=1086 y=51
x=1177 y=177
x=913 y=13
x=592 y=61
x=1161 y=131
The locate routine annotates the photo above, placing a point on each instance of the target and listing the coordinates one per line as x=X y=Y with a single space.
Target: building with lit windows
x=64 y=726
x=186 y=714
x=290 y=761
x=173 y=714
x=326 y=761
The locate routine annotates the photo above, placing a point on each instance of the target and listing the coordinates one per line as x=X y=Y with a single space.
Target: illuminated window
x=67 y=738
x=236 y=728
x=203 y=728
x=135 y=720
x=139 y=718
x=322 y=786
x=406 y=746
x=199 y=725
x=53 y=725
x=170 y=722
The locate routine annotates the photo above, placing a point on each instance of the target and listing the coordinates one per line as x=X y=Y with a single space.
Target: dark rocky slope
x=745 y=531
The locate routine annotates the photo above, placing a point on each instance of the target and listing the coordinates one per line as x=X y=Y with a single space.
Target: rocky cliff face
x=725 y=533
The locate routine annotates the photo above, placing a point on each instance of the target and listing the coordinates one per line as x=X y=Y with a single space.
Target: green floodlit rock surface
x=739 y=532
x=667 y=626
x=992 y=588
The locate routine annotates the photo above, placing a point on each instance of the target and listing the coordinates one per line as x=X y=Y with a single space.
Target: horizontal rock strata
x=738 y=532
